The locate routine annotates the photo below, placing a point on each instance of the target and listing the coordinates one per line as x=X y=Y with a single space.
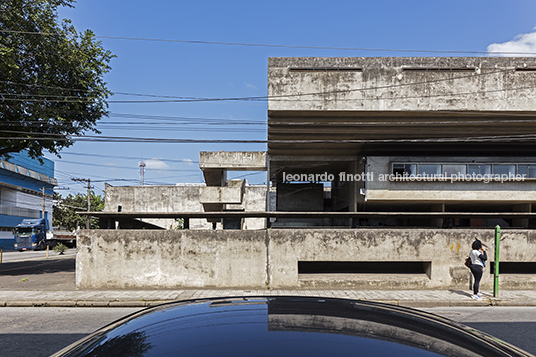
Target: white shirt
x=475 y=257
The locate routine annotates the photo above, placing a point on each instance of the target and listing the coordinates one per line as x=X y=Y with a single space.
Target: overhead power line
x=185 y=161
x=246 y=44
x=117 y=139
x=124 y=167
x=275 y=97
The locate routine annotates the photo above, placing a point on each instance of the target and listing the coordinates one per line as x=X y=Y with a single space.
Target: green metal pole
x=496 y=265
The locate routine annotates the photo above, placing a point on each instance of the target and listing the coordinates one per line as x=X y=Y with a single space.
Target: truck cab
x=31 y=234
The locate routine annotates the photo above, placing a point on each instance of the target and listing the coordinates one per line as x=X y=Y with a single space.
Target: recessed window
x=405 y=169
x=454 y=170
x=429 y=169
x=528 y=170
x=479 y=169
x=504 y=169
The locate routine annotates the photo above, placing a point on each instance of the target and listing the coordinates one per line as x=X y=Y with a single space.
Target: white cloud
x=250 y=86
x=188 y=161
x=156 y=164
x=523 y=44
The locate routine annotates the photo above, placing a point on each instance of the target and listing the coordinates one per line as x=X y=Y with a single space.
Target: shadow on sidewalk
x=460 y=292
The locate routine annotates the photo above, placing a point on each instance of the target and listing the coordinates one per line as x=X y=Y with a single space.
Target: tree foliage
x=51 y=78
x=65 y=209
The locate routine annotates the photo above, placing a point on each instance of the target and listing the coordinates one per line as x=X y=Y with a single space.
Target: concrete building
x=381 y=173
x=26 y=187
x=404 y=134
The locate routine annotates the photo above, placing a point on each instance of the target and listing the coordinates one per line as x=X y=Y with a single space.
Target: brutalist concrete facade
x=362 y=121
x=335 y=125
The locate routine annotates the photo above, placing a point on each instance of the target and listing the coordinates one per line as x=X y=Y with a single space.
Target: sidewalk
x=145 y=298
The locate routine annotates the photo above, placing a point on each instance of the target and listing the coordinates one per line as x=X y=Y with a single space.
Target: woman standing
x=478 y=257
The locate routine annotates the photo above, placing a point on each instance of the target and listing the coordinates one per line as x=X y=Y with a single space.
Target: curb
x=146 y=303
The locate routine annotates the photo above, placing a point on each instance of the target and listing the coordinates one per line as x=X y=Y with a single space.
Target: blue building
x=22 y=181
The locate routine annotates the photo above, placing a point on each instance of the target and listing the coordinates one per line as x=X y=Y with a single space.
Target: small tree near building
x=65 y=209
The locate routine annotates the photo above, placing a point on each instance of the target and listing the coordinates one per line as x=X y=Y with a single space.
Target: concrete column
x=437 y=222
x=521 y=222
x=354 y=188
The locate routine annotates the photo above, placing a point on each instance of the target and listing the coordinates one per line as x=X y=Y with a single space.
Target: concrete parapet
x=401 y=83
x=165 y=259
x=298 y=258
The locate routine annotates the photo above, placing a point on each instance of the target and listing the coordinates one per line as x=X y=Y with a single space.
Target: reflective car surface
x=287 y=326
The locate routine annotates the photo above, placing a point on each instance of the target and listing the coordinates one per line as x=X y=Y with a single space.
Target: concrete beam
x=221 y=195
x=233 y=160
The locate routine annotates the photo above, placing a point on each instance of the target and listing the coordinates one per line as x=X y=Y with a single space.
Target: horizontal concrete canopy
x=264 y=214
x=232 y=160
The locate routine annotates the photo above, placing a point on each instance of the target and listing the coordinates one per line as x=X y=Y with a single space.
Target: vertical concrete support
x=362 y=186
x=355 y=186
x=521 y=222
x=437 y=222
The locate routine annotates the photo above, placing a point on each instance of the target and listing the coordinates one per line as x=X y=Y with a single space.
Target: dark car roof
x=287 y=326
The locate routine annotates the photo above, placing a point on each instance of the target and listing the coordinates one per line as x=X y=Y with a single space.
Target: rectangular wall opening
x=325 y=69
x=439 y=69
x=514 y=267
x=526 y=69
x=337 y=267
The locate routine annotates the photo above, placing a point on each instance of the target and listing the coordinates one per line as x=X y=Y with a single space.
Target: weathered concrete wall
x=171 y=259
x=183 y=198
x=401 y=83
x=415 y=190
x=137 y=259
x=255 y=201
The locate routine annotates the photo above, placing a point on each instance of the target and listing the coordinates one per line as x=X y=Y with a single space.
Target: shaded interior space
x=447 y=222
x=308 y=149
x=526 y=268
x=364 y=274
x=408 y=133
x=360 y=267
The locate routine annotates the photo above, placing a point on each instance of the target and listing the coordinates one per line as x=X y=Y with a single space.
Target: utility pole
x=43 y=211
x=88 y=226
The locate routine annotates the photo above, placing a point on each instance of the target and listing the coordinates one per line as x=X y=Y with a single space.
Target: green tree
x=51 y=78
x=64 y=214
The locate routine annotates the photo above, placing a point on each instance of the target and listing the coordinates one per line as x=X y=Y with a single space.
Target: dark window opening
x=438 y=69
x=330 y=267
x=528 y=69
x=407 y=169
x=325 y=69
x=514 y=267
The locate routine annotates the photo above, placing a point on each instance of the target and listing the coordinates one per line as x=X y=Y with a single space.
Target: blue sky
x=223 y=71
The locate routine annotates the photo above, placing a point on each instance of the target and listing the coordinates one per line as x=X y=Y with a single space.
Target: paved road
x=515 y=325
x=51 y=329
x=32 y=271
x=39 y=332
x=16 y=256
